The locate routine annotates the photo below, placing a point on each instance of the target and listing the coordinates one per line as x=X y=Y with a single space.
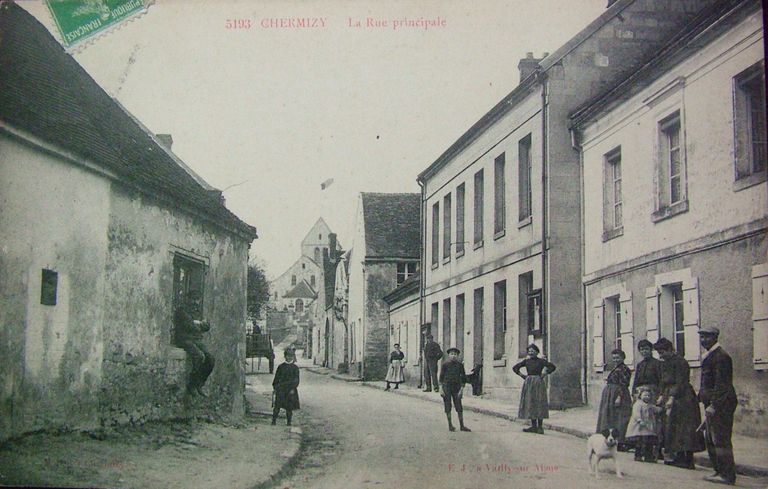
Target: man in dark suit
x=719 y=398
x=432 y=353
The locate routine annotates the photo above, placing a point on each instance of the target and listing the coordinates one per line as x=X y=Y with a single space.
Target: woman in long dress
x=396 y=364
x=616 y=401
x=682 y=416
x=534 y=404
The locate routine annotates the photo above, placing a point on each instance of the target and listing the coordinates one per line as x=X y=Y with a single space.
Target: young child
x=534 y=404
x=452 y=380
x=285 y=384
x=643 y=426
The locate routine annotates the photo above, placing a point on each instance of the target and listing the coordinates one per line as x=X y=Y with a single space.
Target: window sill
x=670 y=211
x=479 y=244
x=435 y=265
x=459 y=253
x=749 y=181
x=524 y=222
x=613 y=233
x=501 y=362
x=446 y=259
x=499 y=234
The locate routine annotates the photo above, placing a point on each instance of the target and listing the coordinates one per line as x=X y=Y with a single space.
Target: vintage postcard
x=411 y=243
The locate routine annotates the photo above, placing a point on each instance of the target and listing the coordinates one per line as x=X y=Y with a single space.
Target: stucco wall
x=143 y=379
x=405 y=328
x=380 y=279
x=725 y=300
x=54 y=216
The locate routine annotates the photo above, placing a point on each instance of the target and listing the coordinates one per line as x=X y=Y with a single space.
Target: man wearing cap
x=432 y=353
x=189 y=336
x=452 y=380
x=719 y=399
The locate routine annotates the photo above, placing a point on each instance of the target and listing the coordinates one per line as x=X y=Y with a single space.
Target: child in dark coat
x=285 y=386
x=452 y=380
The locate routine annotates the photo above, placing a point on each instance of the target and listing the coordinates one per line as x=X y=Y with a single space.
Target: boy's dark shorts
x=452 y=393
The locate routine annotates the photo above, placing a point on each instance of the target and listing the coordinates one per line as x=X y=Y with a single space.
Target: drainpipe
x=541 y=78
x=576 y=144
x=362 y=326
x=423 y=271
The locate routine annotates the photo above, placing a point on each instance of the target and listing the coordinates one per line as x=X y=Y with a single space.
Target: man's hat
x=452 y=349
x=710 y=330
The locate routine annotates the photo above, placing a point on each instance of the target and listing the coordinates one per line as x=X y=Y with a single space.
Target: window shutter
x=760 y=316
x=627 y=328
x=691 y=320
x=598 y=347
x=652 y=314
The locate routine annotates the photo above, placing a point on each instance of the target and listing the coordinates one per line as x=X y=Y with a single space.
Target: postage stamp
x=79 y=20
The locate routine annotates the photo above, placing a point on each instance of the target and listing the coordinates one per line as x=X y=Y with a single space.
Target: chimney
x=528 y=65
x=165 y=139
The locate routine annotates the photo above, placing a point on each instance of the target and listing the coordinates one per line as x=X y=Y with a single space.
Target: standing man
x=719 y=398
x=189 y=336
x=432 y=353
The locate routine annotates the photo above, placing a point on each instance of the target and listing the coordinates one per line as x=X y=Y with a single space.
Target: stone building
x=405 y=327
x=675 y=200
x=502 y=257
x=385 y=251
x=103 y=232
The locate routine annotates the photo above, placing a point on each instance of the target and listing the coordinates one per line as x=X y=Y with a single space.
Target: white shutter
x=691 y=321
x=652 y=314
x=598 y=346
x=627 y=328
x=760 y=316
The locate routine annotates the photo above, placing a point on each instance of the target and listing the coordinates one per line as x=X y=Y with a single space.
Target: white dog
x=602 y=446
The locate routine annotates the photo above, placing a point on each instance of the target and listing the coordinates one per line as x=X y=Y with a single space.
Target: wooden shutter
x=598 y=345
x=760 y=316
x=652 y=314
x=691 y=321
x=627 y=328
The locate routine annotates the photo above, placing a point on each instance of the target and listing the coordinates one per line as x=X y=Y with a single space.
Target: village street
x=360 y=437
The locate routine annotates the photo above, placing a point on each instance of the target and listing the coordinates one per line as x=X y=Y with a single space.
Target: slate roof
x=46 y=93
x=392 y=225
x=302 y=290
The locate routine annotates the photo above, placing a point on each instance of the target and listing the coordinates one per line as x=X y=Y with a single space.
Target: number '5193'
x=238 y=24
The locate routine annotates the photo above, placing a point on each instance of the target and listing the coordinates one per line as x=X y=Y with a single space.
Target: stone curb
x=700 y=459
x=291 y=456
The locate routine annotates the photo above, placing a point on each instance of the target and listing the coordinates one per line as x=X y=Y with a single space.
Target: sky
x=268 y=111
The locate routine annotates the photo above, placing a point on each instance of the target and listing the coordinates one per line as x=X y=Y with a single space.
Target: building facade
x=385 y=250
x=405 y=327
x=104 y=234
x=675 y=205
x=502 y=255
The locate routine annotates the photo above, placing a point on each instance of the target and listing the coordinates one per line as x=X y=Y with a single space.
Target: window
x=49 y=287
x=479 y=184
x=613 y=325
x=320 y=237
x=477 y=326
x=460 y=220
x=612 y=319
x=405 y=270
x=672 y=192
x=750 y=126
x=317 y=255
x=299 y=307
x=446 y=323
x=293 y=279
x=447 y=226
x=499 y=197
x=524 y=178
x=673 y=312
x=760 y=316
x=435 y=234
x=460 y=323
x=613 y=221
x=433 y=320
x=188 y=281
x=499 y=319
x=675 y=294
x=312 y=281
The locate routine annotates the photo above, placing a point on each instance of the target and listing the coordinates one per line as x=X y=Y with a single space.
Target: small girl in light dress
x=644 y=425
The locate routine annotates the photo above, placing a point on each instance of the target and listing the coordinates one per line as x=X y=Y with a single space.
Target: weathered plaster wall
x=144 y=375
x=380 y=279
x=404 y=329
x=53 y=215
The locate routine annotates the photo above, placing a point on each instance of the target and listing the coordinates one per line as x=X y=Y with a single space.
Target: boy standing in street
x=452 y=380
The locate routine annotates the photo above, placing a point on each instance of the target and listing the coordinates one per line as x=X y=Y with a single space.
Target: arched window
x=317 y=255
x=312 y=280
x=293 y=279
x=299 y=306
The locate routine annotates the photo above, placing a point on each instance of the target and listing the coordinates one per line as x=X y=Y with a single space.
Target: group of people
x=661 y=413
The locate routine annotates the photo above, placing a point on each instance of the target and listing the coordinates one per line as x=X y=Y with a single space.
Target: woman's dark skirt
x=611 y=415
x=533 y=400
